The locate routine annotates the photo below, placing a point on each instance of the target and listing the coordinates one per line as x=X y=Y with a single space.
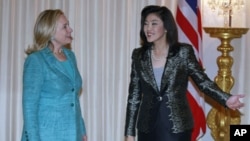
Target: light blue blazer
x=51 y=107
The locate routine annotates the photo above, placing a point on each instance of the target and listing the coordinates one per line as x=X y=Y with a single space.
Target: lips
x=149 y=34
x=70 y=37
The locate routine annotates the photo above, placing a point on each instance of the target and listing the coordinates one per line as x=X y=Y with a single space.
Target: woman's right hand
x=129 y=138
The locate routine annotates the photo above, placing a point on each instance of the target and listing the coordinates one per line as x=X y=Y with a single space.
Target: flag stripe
x=190 y=31
x=187 y=28
x=200 y=33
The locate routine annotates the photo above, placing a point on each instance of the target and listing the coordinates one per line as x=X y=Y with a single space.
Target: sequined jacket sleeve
x=134 y=98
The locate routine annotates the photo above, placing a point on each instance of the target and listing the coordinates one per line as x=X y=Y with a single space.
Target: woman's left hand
x=84 y=138
x=234 y=103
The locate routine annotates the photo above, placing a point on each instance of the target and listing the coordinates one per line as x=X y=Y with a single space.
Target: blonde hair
x=44 y=29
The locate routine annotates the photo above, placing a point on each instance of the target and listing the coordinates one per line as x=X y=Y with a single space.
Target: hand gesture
x=234 y=103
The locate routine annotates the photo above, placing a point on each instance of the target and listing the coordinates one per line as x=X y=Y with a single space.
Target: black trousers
x=161 y=130
x=165 y=136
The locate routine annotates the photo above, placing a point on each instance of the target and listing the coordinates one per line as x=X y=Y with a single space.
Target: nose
x=69 y=29
x=147 y=28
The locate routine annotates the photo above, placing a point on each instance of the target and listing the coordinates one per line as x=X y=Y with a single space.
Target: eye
x=154 y=23
x=145 y=23
x=65 y=26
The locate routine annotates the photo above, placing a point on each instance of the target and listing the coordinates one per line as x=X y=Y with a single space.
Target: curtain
x=105 y=33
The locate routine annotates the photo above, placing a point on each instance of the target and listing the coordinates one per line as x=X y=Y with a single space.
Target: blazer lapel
x=147 y=68
x=52 y=62
x=70 y=58
x=167 y=71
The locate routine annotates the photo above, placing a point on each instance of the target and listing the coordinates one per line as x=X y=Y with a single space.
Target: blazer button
x=72 y=104
x=72 y=89
x=159 y=98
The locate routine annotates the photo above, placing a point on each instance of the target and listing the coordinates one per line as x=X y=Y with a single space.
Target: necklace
x=59 y=52
x=158 y=59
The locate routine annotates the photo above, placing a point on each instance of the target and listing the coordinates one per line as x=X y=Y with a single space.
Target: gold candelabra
x=219 y=118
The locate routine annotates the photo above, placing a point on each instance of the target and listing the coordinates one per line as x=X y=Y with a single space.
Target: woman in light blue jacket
x=52 y=83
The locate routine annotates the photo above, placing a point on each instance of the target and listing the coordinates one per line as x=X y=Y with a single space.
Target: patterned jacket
x=144 y=97
x=51 y=107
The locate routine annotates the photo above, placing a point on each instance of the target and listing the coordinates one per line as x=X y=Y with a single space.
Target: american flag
x=188 y=20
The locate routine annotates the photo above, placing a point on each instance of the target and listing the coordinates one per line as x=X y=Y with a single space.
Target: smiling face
x=63 y=32
x=154 y=29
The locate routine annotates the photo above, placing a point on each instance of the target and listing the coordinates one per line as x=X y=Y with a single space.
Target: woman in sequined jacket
x=157 y=101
